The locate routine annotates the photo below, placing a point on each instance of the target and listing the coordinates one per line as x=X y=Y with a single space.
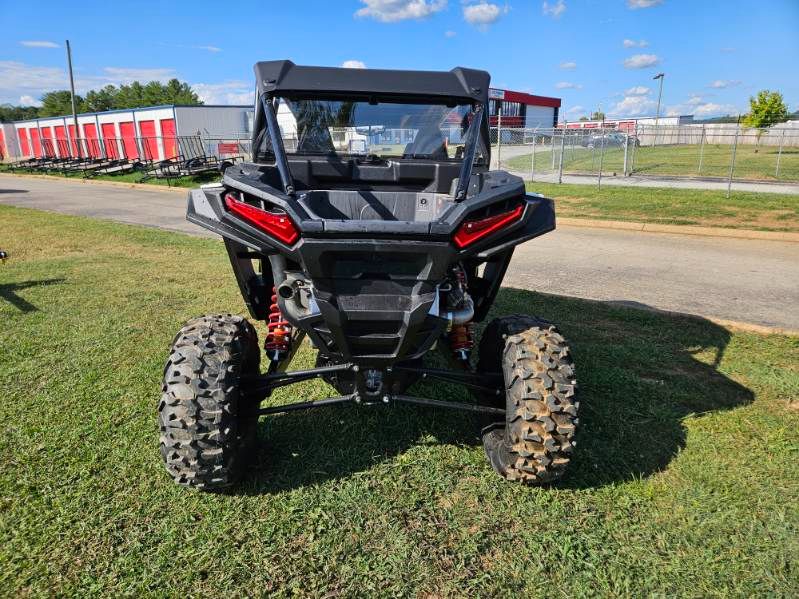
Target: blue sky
x=591 y=53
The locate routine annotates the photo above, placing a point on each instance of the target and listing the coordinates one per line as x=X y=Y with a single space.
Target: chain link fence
x=709 y=152
x=716 y=152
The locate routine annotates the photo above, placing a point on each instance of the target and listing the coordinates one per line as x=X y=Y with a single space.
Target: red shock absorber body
x=278 y=336
x=461 y=336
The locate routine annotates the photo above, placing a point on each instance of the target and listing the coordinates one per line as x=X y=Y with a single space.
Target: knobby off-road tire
x=206 y=423
x=534 y=443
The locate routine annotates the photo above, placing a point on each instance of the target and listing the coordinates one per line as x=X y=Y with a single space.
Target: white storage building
x=150 y=133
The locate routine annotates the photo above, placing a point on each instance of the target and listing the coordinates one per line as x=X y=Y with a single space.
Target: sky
x=594 y=54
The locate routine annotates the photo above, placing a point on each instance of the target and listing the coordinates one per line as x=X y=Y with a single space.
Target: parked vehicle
x=378 y=256
x=611 y=140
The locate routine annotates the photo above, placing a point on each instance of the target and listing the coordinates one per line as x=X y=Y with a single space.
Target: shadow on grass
x=640 y=374
x=8 y=292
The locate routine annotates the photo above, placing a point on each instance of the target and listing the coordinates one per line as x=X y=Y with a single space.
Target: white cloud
x=209 y=48
x=353 y=64
x=39 y=44
x=634 y=106
x=711 y=109
x=22 y=79
x=118 y=75
x=226 y=92
x=568 y=65
x=727 y=50
x=23 y=83
x=627 y=43
x=553 y=10
x=641 y=61
x=29 y=101
x=697 y=106
x=636 y=4
x=575 y=110
x=723 y=83
x=638 y=90
x=18 y=78
x=450 y=33
x=482 y=13
x=391 y=11
x=568 y=85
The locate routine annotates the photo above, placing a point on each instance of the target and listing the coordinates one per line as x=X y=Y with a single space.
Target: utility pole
x=657 y=113
x=72 y=94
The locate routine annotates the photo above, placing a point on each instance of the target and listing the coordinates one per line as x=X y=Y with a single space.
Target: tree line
x=110 y=97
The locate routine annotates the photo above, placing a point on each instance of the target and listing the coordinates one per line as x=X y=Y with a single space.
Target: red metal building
x=522 y=110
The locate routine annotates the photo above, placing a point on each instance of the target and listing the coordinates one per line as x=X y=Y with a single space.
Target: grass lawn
x=680 y=160
x=136 y=177
x=743 y=210
x=685 y=481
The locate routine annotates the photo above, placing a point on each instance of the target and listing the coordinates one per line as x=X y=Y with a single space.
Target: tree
x=100 y=100
x=766 y=109
x=584 y=118
x=58 y=103
x=597 y=116
x=9 y=113
x=133 y=95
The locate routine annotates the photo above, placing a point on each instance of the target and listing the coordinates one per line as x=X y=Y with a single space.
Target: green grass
x=680 y=160
x=136 y=177
x=685 y=481
x=743 y=210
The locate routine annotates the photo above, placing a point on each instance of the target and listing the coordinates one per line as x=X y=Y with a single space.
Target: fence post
x=562 y=142
x=601 y=159
x=626 y=147
x=499 y=138
x=732 y=161
x=779 y=155
x=701 y=150
x=532 y=160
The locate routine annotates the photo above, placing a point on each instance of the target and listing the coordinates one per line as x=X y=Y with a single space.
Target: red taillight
x=472 y=230
x=277 y=225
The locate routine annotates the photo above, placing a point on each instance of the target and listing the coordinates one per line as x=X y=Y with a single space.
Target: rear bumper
x=375 y=283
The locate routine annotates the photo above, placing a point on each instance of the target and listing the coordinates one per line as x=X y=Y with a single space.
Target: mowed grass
x=710 y=208
x=685 y=481
x=751 y=162
x=135 y=177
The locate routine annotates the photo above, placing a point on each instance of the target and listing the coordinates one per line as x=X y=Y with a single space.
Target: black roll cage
x=279 y=78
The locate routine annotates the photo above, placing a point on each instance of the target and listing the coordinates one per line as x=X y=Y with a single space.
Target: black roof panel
x=284 y=76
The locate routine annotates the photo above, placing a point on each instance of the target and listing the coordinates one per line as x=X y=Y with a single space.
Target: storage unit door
x=74 y=142
x=128 y=134
x=110 y=140
x=90 y=133
x=47 y=142
x=36 y=143
x=148 y=140
x=24 y=147
x=168 y=136
x=61 y=141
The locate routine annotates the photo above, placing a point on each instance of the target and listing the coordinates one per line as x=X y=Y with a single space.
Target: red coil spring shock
x=278 y=336
x=461 y=336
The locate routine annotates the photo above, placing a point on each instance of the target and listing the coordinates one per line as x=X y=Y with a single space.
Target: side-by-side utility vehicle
x=369 y=220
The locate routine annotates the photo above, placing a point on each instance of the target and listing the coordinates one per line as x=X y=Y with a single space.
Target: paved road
x=734 y=279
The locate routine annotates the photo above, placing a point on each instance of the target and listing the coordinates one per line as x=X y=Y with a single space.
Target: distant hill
x=794 y=116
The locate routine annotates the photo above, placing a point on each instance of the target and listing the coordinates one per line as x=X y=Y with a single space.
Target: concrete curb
x=747 y=327
x=144 y=186
x=679 y=229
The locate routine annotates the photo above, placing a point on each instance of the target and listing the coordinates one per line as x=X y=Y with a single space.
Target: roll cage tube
x=277 y=145
x=468 y=158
